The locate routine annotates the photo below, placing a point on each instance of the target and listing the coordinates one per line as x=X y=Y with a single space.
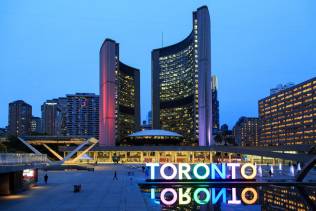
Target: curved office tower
x=119 y=96
x=181 y=84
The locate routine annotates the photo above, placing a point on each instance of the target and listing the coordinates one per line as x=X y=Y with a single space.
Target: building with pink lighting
x=119 y=96
x=181 y=84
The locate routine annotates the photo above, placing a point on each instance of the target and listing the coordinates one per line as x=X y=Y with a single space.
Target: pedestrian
x=270 y=173
x=46 y=178
x=115 y=176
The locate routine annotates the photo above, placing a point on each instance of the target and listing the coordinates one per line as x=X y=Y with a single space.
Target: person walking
x=46 y=178
x=115 y=176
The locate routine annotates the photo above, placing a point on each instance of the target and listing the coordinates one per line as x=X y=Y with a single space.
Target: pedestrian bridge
x=12 y=162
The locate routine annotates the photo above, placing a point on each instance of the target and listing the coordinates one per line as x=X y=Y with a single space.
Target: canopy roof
x=155 y=133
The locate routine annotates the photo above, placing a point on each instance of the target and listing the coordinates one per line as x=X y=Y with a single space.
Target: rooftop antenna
x=161 y=39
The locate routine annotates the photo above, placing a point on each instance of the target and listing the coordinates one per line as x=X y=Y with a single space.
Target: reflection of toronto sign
x=170 y=171
x=169 y=196
x=202 y=171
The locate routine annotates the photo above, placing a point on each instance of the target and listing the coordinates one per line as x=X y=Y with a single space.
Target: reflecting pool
x=229 y=197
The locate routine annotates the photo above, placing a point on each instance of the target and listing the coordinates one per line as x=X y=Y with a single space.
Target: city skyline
x=228 y=89
x=239 y=96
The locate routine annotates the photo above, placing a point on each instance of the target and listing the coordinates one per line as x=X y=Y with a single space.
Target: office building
x=36 y=124
x=54 y=117
x=246 y=131
x=83 y=114
x=289 y=116
x=20 y=116
x=181 y=84
x=215 y=104
x=119 y=96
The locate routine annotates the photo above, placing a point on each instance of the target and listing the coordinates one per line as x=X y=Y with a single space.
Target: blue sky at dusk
x=50 y=48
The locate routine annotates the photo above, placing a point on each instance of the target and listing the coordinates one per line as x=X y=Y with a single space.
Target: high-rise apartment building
x=181 y=84
x=215 y=104
x=36 y=124
x=50 y=113
x=246 y=131
x=20 y=117
x=54 y=116
x=289 y=116
x=83 y=114
x=119 y=96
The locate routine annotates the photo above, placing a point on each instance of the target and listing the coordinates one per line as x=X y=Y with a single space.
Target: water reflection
x=270 y=197
x=288 y=198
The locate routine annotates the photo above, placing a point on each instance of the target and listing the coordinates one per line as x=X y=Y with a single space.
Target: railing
x=21 y=159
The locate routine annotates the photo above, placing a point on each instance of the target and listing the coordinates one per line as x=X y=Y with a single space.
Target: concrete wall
x=12 y=182
x=5 y=184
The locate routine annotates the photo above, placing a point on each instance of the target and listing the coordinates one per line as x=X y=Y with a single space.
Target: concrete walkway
x=99 y=191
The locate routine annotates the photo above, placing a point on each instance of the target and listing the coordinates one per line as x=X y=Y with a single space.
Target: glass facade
x=177 y=88
x=126 y=101
x=147 y=155
x=181 y=84
x=289 y=116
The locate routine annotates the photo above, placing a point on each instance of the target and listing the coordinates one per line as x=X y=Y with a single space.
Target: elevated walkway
x=83 y=146
x=12 y=162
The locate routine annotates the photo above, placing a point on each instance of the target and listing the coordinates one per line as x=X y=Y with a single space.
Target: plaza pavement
x=99 y=192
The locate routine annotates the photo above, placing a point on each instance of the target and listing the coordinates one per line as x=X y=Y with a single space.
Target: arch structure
x=181 y=84
x=119 y=96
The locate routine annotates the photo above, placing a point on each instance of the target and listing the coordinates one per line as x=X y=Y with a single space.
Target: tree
x=224 y=136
